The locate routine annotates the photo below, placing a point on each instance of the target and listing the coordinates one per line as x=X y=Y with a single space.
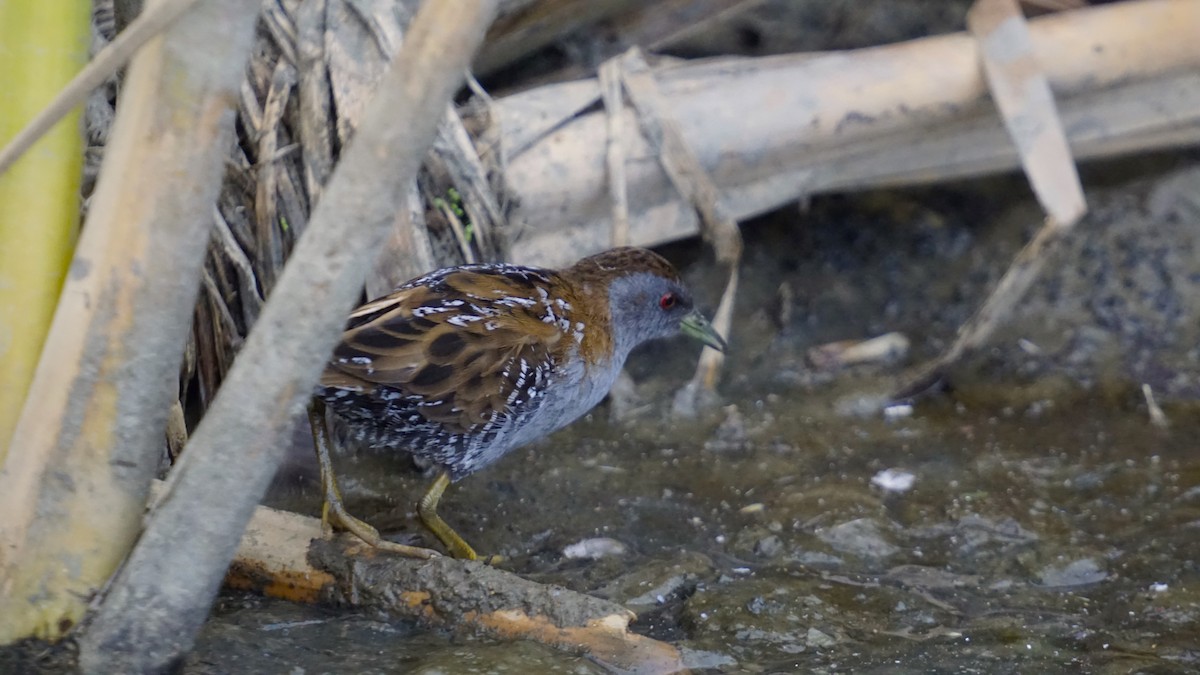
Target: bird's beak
x=695 y=326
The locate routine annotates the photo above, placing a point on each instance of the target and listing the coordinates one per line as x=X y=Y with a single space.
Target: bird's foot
x=334 y=515
x=454 y=543
x=333 y=512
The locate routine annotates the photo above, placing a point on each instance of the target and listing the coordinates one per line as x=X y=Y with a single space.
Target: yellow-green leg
x=427 y=509
x=334 y=513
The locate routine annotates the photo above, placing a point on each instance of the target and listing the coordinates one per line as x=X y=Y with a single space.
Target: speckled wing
x=464 y=345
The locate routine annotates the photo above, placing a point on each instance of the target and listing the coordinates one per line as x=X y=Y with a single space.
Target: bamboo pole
x=74 y=485
x=42 y=44
x=161 y=597
x=772 y=130
x=107 y=62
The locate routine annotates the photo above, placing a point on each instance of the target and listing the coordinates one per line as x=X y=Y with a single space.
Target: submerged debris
x=887 y=348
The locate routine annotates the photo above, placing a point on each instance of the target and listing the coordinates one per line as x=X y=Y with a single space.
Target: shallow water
x=1031 y=540
x=1049 y=525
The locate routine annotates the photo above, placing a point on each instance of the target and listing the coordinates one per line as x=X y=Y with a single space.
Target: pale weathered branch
x=284 y=555
x=161 y=597
x=695 y=185
x=89 y=439
x=1023 y=96
x=775 y=129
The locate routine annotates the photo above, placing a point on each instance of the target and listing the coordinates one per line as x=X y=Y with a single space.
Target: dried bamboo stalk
x=153 y=612
x=774 y=129
x=91 y=433
x=104 y=65
x=1022 y=94
x=690 y=179
x=40 y=219
x=1023 y=97
x=609 y=77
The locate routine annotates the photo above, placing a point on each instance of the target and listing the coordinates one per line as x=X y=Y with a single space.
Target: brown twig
x=250 y=296
x=285 y=555
x=472 y=596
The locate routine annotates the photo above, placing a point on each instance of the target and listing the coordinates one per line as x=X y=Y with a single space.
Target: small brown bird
x=464 y=364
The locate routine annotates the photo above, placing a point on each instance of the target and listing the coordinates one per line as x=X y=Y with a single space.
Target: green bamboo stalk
x=42 y=45
x=85 y=448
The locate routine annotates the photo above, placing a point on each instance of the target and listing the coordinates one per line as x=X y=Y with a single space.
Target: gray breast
x=576 y=390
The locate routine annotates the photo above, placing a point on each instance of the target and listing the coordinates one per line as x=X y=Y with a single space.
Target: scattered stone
x=1077 y=573
x=698 y=660
x=658 y=581
x=894 y=480
x=815 y=639
x=930 y=578
x=768 y=547
x=594 y=549
x=973 y=534
x=756 y=613
x=861 y=405
x=862 y=537
x=897 y=411
x=731 y=434
x=816 y=559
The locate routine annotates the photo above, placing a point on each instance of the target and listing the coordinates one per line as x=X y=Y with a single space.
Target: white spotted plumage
x=458 y=366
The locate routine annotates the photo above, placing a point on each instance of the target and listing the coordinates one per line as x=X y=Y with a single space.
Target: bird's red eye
x=667 y=301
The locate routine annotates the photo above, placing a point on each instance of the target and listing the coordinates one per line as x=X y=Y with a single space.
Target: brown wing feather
x=460 y=345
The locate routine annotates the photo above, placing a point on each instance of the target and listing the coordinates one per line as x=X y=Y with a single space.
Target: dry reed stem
x=693 y=182
x=776 y=129
x=157 y=18
x=91 y=433
x=609 y=78
x=1023 y=96
x=161 y=597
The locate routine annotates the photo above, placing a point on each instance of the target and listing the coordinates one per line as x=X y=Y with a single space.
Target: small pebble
x=816 y=639
x=594 y=549
x=768 y=547
x=1076 y=573
x=894 y=480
